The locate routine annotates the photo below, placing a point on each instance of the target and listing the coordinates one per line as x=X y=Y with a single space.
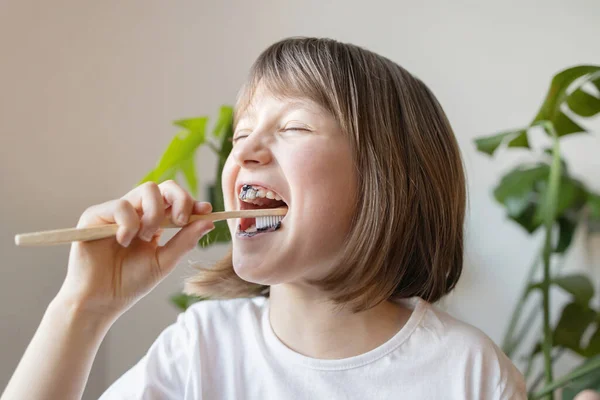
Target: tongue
x=246 y=223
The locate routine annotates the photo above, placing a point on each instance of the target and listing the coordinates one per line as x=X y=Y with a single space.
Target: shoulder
x=202 y=332
x=457 y=336
x=473 y=351
x=453 y=332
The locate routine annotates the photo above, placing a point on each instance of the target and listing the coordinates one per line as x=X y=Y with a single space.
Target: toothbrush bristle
x=267 y=222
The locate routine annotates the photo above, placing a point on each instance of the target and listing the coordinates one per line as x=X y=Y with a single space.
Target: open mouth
x=256 y=197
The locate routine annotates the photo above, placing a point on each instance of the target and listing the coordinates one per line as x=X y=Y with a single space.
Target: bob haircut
x=406 y=237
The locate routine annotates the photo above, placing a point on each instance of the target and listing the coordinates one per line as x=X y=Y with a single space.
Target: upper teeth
x=248 y=192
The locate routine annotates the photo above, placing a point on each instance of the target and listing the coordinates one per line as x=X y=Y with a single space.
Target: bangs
x=294 y=70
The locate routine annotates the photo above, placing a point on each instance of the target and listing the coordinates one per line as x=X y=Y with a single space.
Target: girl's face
x=295 y=149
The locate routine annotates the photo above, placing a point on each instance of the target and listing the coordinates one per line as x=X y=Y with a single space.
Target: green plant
x=544 y=195
x=178 y=159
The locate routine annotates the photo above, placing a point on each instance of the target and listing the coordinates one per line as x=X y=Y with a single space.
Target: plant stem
x=508 y=344
x=539 y=378
x=547 y=343
x=549 y=221
x=213 y=147
x=579 y=372
x=527 y=325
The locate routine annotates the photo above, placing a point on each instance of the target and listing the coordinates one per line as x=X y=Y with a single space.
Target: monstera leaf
x=523 y=191
x=579 y=101
x=179 y=156
x=515 y=138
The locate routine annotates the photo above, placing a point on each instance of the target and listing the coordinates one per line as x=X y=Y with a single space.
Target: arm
x=104 y=279
x=57 y=362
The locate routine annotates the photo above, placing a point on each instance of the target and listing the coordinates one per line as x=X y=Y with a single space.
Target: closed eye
x=235 y=139
x=240 y=134
x=297 y=128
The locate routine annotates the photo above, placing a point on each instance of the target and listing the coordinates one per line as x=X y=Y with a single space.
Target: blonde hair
x=406 y=238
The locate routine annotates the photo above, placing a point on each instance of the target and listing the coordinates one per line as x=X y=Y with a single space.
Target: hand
x=107 y=276
x=588 y=395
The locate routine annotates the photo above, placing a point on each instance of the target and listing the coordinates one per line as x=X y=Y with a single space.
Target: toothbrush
x=62 y=236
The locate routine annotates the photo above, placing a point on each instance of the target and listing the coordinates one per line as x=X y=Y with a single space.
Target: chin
x=259 y=272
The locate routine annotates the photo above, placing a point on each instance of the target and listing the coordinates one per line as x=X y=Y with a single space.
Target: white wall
x=88 y=90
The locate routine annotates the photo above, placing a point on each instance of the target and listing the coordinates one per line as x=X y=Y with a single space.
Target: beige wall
x=88 y=90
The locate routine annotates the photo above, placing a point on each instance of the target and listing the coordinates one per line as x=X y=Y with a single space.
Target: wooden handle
x=61 y=236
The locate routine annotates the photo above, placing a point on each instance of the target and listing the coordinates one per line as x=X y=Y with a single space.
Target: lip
x=242 y=237
x=239 y=202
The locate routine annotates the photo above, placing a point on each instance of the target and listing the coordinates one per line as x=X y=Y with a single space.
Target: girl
x=333 y=302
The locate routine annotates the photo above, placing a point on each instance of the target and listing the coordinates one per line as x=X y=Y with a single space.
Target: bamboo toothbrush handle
x=61 y=236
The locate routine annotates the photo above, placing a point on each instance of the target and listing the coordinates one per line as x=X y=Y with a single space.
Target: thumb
x=185 y=240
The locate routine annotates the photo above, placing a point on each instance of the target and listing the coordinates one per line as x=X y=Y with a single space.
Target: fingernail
x=181 y=219
x=205 y=205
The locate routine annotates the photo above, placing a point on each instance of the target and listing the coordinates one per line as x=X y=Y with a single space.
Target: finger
x=117 y=211
x=180 y=200
x=201 y=207
x=184 y=241
x=147 y=198
x=587 y=395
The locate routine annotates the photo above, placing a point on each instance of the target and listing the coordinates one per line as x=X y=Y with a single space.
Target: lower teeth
x=252 y=230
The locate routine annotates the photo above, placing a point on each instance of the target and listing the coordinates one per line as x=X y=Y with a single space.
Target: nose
x=252 y=151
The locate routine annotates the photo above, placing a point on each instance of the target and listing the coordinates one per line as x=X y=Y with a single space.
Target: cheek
x=228 y=176
x=230 y=170
x=326 y=185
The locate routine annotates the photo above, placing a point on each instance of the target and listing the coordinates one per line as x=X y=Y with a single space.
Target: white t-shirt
x=226 y=349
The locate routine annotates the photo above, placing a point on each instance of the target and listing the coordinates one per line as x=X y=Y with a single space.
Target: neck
x=308 y=323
